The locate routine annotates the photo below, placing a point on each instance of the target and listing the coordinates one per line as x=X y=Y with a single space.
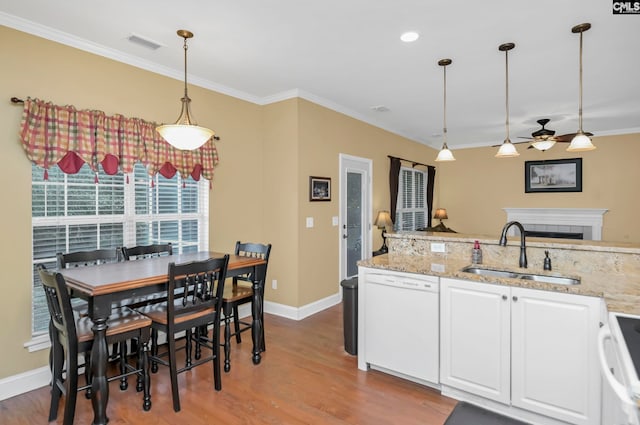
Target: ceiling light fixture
x=409 y=36
x=543 y=145
x=445 y=154
x=581 y=142
x=507 y=149
x=185 y=134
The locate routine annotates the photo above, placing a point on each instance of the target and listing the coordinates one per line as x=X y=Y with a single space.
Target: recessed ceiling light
x=409 y=36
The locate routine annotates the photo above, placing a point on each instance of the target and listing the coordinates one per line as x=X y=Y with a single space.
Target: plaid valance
x=67 y=137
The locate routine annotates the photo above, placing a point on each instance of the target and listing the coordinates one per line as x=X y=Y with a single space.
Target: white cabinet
x=531 y=349
x=398 y=324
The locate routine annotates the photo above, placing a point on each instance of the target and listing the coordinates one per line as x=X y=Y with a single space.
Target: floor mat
x=468 y=414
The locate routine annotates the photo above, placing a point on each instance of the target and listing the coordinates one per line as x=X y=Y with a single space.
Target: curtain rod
x=413 y=163
x=16 y=100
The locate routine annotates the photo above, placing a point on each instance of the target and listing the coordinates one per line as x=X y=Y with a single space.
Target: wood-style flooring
x=305 y=377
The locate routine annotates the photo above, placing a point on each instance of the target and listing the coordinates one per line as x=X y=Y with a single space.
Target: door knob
x=515 y=298
x=504 y=297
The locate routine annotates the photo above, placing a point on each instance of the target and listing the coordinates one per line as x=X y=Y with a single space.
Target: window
x=73 y=212
x=411 y=211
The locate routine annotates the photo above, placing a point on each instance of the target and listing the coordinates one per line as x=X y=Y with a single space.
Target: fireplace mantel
x=586 y=217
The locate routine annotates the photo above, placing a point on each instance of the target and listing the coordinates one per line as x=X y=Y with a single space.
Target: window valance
x=69 y=137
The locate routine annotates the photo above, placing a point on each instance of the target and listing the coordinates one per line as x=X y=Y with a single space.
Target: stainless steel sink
x=557 y=280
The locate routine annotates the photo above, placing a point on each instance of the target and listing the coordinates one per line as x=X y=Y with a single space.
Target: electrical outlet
x=437 y=247
x=274 y=284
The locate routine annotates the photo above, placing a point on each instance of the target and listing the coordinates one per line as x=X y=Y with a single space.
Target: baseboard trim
x=21 y=383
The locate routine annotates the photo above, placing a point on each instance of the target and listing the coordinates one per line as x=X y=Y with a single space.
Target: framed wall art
x=319 y=188
x=555 y=175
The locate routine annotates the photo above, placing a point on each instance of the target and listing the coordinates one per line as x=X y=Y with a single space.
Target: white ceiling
x=347 y=55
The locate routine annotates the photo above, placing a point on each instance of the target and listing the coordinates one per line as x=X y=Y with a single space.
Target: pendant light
x=185 y=134
x=580 y=142
x=445 y=154
x=507 y=149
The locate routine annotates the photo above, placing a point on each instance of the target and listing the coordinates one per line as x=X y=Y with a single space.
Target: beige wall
x=478 y=186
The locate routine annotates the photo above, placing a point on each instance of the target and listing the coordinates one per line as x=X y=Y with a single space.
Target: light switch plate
x=334 y=220
x=309 y=222
x=437 y=247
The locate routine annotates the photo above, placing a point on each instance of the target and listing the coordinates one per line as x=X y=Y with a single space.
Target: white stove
x=619 y=353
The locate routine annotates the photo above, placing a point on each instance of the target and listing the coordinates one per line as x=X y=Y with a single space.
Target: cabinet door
x=475 y=338
x=554 y=355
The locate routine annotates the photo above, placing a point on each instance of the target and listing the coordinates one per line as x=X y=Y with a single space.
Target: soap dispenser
x=476 y=255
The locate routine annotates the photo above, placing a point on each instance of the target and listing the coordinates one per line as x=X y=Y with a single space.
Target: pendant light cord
x=185 y=68
x=506 y=101
x=444 y=119
x=580 y=103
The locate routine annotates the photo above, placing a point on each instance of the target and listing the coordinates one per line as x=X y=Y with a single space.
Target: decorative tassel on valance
x=67 y=137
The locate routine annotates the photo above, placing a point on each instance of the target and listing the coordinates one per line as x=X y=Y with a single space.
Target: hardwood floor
x=305 y=377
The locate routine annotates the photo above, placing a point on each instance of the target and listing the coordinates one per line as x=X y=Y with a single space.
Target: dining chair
x=91 y=258
x=71 y=335
x=241 y=292
x=194 y=300
x=146 y=251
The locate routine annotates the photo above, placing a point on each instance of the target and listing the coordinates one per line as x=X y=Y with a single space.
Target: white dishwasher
x=402 y=324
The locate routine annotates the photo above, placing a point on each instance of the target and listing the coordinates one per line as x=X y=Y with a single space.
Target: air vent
x=380 y=108
x=144 y=42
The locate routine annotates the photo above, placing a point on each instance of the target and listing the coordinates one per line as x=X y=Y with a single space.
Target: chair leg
x=188 y=347
x=236 y=324
x=123 y=365
x=87 y=374
x=198 y=348
x=173 y=372
x=143 y=356
x=227 y=340
x=56 y=356
x=154 y=350
x=217 y=378
x=71 y=388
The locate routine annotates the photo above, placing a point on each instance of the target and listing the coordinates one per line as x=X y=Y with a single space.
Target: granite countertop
x=607 y=270
x=447 y=267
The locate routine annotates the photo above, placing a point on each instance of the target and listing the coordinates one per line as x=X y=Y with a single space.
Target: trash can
x=350 y=314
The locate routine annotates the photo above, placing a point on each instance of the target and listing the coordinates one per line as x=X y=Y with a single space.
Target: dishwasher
x=402 y=325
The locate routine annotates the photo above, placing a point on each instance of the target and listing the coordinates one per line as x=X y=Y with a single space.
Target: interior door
x=355 y=213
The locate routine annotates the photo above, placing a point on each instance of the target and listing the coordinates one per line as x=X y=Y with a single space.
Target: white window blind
x=71 y=212
x=411 y=209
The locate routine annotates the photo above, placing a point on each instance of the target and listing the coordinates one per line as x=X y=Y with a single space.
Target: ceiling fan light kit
x=507 y=149
x=445 y=154
x=581 y=142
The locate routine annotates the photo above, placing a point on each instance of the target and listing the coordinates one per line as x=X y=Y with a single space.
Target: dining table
x=105 y=285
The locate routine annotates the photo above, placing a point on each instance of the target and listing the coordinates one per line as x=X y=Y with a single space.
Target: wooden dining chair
x=146 y=251
x=194 y=300
x=241 y=292
x=71 y=335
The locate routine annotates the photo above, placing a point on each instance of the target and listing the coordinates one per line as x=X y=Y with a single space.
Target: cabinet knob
x=504 y=297
x=515 y=298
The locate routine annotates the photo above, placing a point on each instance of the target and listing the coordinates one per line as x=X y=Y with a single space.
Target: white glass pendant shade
x=445 y=154
x=543 y=145
x=581 y=142
x=507 y=150
x=185 y=134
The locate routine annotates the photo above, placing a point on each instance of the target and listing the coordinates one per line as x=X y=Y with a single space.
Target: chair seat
x=234 y=293
x=122 y=320
x=158 y=312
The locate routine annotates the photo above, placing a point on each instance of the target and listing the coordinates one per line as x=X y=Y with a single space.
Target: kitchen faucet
x=523 y=245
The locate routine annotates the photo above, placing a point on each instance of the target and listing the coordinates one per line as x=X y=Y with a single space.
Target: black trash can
x=350 y=314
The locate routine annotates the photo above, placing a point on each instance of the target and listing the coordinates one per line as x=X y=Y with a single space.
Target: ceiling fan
x=544 y=138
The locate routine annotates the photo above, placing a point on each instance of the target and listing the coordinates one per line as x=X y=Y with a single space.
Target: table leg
x=99 y=384
x=256 y=324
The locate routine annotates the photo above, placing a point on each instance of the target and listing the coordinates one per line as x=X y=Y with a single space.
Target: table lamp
x=440 y=214
x=383 y=220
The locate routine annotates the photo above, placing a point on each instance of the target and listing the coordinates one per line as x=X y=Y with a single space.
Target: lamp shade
x=441 y=213
x=543 y=145
x=383 y=220
x=581 y=142
x=507 y=150
x=445 y=154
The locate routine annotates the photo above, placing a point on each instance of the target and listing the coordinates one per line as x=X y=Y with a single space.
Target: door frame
x=367 y=167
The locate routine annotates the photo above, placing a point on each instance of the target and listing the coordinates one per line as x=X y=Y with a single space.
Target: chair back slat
x=59 y=304
x=147 y=251
x=195 y=285
x=87 y=258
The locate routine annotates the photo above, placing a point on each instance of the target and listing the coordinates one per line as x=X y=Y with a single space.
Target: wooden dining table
x=107 y=284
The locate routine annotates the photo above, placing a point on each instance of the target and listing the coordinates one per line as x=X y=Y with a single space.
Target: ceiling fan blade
x=566 y=138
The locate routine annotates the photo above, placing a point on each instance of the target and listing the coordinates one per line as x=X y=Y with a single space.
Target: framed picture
x=319 y=188
x=556 y=175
